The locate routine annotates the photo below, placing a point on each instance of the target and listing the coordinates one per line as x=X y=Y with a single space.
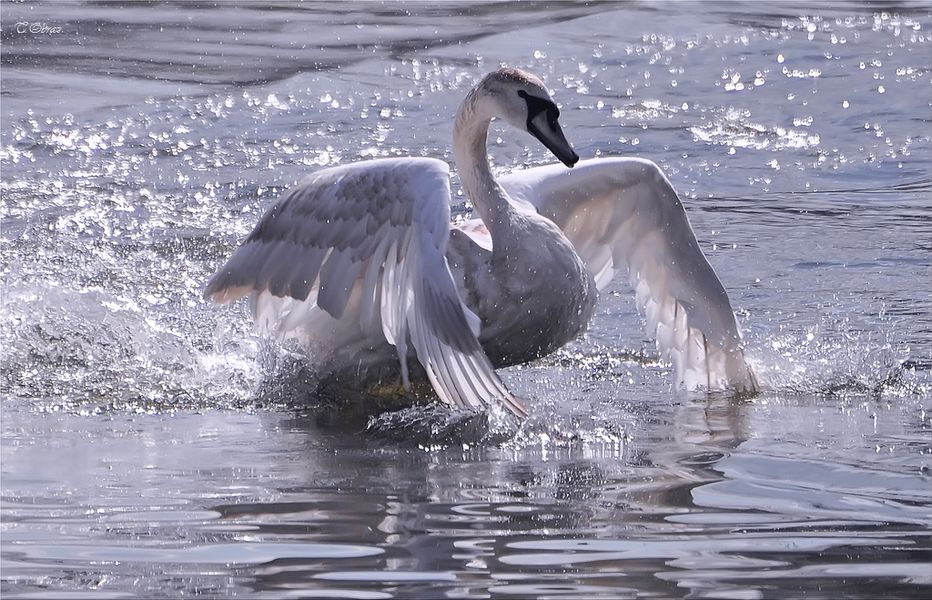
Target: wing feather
x=304 y=274
x=623 y=213
x=445 y=344
x=337 y=278
x=356 y=255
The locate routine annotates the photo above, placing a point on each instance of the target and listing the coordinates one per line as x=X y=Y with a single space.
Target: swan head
x=522 y=100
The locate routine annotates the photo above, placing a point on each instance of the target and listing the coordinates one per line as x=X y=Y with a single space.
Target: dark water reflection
x=704 y=500
x=153 y=447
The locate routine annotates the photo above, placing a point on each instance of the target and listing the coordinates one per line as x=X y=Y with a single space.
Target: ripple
x=243 y=553
x=576 y=551
x=387 y=576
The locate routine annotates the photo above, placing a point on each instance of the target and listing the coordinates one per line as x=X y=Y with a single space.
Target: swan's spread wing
x=623 y=213
x=365 y=244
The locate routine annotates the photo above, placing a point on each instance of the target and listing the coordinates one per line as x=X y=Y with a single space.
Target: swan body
x=361 y=265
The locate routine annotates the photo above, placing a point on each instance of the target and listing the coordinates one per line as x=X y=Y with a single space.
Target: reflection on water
x=714 y=496
x=152 y=446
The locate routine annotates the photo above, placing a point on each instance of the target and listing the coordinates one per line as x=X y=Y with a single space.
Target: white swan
x=362 y=257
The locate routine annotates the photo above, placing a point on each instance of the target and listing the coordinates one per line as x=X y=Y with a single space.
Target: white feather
x=623 y=213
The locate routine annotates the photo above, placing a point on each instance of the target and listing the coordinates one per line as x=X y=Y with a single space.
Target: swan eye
x=535 y=106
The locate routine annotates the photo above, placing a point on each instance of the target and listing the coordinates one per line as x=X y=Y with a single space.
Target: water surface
x=153 y=446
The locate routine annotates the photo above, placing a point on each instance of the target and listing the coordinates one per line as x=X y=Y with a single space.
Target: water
x=152 y=446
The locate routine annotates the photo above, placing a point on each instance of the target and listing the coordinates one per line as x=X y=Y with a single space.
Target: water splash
x=836 y=358
x=93 y=351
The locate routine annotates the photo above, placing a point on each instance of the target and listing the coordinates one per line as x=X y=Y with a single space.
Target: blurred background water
x=152 y=446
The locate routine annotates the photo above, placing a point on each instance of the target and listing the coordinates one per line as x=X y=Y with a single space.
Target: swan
x=358 y=261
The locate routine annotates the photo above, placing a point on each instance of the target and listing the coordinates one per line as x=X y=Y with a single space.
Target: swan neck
x=470 y=133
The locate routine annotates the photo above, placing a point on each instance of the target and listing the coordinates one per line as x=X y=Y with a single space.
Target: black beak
x=545 y=126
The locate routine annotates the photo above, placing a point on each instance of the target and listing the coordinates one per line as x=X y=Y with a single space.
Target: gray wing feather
x=337 y=277
x=375 y=231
